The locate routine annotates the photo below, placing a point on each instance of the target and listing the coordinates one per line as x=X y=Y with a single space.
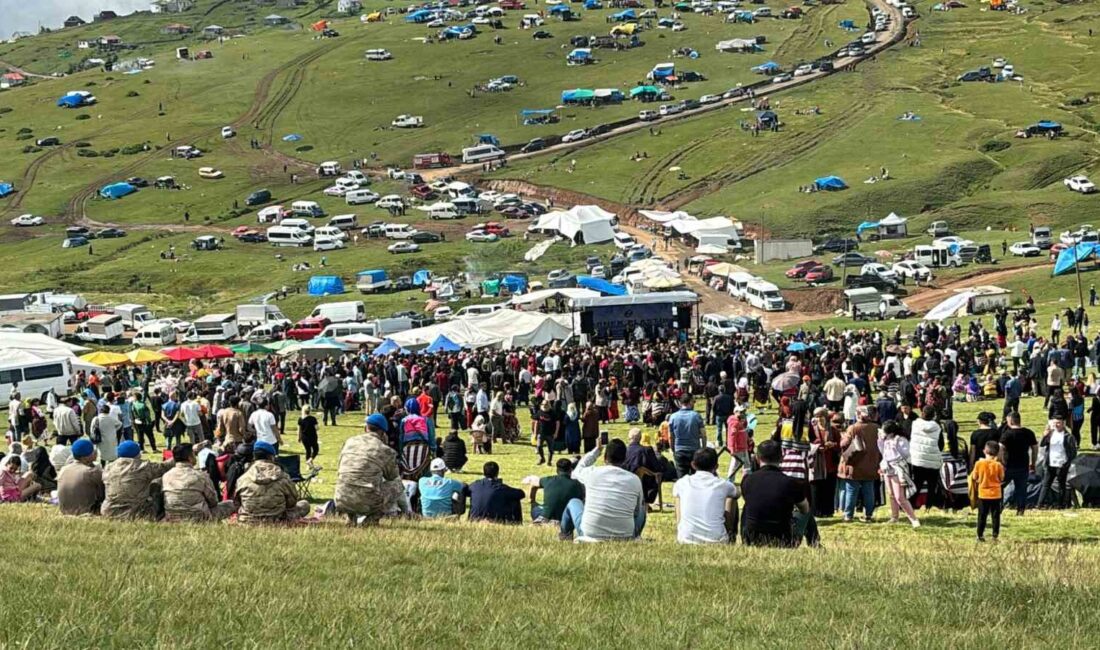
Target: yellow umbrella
x=141 y=355
x=106 y=359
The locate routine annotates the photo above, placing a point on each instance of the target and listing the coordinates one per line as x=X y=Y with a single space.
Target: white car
x=178 y=324
x=781 y=78
x=710 y=99
x=556 y=273
x=912 y=271
x=328 y=244
x=28 y=220
x=210 y=173
x=1079 y=184
x=335 y=190
x=443 y=313
x=574 y=135
x=403 y=247
x=999 y=62
x=390 y=201
x=718 y=325
x=678 y=26
x=395 y=173
x=489 y=195
x=228 y=132
x=880 y=271
x=803 y=70
x=481 y=236
x=1025 y=249
x=952 y=240
x=436 y=24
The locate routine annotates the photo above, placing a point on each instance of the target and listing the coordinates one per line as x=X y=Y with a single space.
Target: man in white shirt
x=706 y=506
x=614 y=505
x=191 y=416
x=262 y=421
x=66 y=422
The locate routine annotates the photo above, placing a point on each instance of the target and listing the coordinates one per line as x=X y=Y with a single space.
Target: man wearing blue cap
x=80 y=483
x=132 y=485
x=264 y=493
x=367 y=476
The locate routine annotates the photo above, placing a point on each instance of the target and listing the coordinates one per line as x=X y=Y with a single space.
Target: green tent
x=490 y=287
x=251 y=348
x=279 y=345
x=644 y=90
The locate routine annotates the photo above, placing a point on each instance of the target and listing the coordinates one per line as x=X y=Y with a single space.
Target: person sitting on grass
x=441 y=496
x=492 y=500
x=770 y=498
x=264 y=493
x=614 y=505
x=367 y=467
x=706 y=506
x=558 y=490
x=132 y=485
x=189 y=494
x=15 y=485
x=454 y=451
x=80 y=483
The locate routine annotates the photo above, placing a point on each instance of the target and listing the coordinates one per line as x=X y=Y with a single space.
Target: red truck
x=512 y=4
x=307 y=328
x=432 y=160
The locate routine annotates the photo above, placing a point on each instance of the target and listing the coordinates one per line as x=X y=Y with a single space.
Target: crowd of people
x=863 y=419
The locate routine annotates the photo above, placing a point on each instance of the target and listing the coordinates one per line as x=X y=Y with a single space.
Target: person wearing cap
x=132 y=485
x=441 y=496
x=189 y=494
x=367 y=473
x=80 y=483
x=264 y=492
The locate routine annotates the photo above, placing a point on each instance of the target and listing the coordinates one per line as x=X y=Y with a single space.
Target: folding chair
x=292 y=465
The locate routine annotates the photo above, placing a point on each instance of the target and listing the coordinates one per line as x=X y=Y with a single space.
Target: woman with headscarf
x=546 y=429
x=571 y=426
x=415 y=427
x=590 y=427
x=825 y=437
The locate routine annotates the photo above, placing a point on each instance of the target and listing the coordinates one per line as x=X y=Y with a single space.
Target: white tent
x=893 y=226
x=536 y=299
x=950 y=307
x=15 y=356
x=506 y=328
x=38 y=343
x=592 y=222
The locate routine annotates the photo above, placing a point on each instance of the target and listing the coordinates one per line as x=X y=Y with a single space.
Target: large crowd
x=863 y=419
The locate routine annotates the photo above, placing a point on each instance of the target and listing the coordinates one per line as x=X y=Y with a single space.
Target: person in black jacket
x=454 y=451
x=1059 y=408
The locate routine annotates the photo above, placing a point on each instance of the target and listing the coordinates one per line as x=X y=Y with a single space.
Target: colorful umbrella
x=213 y=352
x=180 y=354
x=106 y=359
x=141 y=355
x=250 y=348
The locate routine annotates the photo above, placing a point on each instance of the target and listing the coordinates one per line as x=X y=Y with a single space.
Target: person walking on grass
x=307 y=435
x=895 y=471
x=986 y=480
x=926 y=444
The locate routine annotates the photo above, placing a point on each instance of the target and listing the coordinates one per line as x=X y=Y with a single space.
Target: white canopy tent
x=593 y=223
x=38 y=343
x=506 y=328
x=536 y=299
x=713 y=234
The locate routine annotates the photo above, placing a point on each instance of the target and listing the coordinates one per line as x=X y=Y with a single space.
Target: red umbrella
x=180 y=354
x=212 y=352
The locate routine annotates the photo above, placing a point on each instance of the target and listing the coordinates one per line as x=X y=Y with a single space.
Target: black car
x=824 y=66
x=403 y=283
x=48 y=142
x=592 y=262
x=258 y=197
x=837 y=246
x=79 y=231
x=137 y=181
x=536 y=144
x=329 y=33
x=537 y=209
x=692 y=76
x=541 y=34
x=852 y=258
x=690 y=104
x=599 y=129
x=747 y=325
x=253 y=238
x=110 y=233
x=421 y=237
x=874 y=281
x=981 y=74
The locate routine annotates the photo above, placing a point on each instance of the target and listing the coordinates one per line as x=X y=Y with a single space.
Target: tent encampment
x=422 y=277
x=582 y=224
x=626 y=14
x=505 y=328
x=325 y=285
x=738 y=45
x=768 y=67
x=577 y=95
x=830 y=183
x=116 y=190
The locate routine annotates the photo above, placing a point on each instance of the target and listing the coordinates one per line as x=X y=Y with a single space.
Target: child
x=14 y=485
x=987 y=477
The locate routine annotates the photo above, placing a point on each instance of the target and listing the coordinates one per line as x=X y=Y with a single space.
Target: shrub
x=24 y=136
x=305 y=147
x=82 y=145
x=132 y=149
x=83 y=116
x=24 y=130
x=133 y=93
x=87 y=153
x=994 y=145
x=5 y=109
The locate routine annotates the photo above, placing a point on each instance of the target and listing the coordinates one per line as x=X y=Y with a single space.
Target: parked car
x=28 y=220
x=48 y=142
x=819 y=273
x=981 y=74
x=541 y=34
x=253 y=238
x=880 y=270
x=1079 y=184
x=800 y=268
x=110 y=233
x=852 y=258
x=210 y=173
x=910 y=270
x=137 y=181
x=575 y=135
x=1025 y=249
x=747 y=325
x=73 y=242
x=837 y=246
x=536 y=144
x=403 y=247
x=481 y=236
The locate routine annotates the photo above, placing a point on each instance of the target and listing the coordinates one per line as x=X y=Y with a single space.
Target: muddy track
x=265 y=118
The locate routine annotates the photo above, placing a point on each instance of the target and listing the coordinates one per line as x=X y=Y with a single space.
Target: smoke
x=27 y=16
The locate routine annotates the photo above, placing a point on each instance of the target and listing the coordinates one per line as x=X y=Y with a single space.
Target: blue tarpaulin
x=847 y=24
x=6 y=189
x=560 y=9
x=389 y=346
x=592 y=4
x=601 y=285
x=830 y=183
x=442 y=344
x=116 y=190
x=626 y=14
x=537 y=112
x=866 y=225
x=766 y=67
x=293 y=137
x=488 y=138
x=325 y=285
x=422 y=277
x=515 y=283
x=420 y=16
x=375 y=275
x=1071 y=256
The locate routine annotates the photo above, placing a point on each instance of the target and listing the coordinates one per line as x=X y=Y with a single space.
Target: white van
x=213 y=328
x=458 y=189
x=765 y=295
x=647 y=116
x=331 y=232
x=341 y=312
x=326 y=243
x=399 y=231
x=468 y=205
x=156 y=335
x=477 y=310
x=299 y=224
x=347 y=329
x=738 y=284
x=357 y=176
x=868 y=38
x=330 y=168
x=482 y=153
x=623 y=241
x=306 y=209
x=344 y=222
x=443 y=211
x=378 y=55
x=360 y=197
x=287 y=236
x=937 y=256
x=1042 y=237
x=36 y=379
x=272 y=331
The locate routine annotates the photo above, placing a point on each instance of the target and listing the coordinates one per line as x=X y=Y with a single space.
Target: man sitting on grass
x=614 y=505
x=558 y=491
x=80 y=483
x=264 y=493
x=189 y=494
x=492 y=500
x=770 y=499
x=367 y=476
x=441 y=496
x=706 y=506
x=132 y=485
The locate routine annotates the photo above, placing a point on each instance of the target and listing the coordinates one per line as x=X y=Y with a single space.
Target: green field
x=412 y=583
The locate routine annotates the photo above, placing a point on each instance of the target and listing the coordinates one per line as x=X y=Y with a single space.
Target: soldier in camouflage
x=264 y=492
x=189 y=494
x=132 y=485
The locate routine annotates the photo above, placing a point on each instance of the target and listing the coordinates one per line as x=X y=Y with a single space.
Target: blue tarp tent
x=1044 y=126
x=457 y=31
x=767 y=67
x=389 y=346
x=560 y=9
x=71 y=101
x=1070 y=257
x=293 y=137
x=419 y=16
x=766 y=118
x=577 y=95
x=116 y=190
x=593 y=4
x=515 y=283
x=743 y=16
x=580 y=54
x=6 y=189
x=601 y=285
x=375 y=275
x=847 y=23
x=662 y=70
x=866 y=225
x=626 y=14
x=442 y=344
x=830 y=183
x=325 y=285
x=488 y=138
x=422 y=277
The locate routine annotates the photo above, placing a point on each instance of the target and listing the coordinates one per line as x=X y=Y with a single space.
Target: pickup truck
x=408 y=121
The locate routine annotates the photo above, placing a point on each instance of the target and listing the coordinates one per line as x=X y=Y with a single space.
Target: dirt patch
x=559 y=196
x=814 y=300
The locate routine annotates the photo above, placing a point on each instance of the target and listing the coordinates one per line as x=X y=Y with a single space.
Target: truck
x=253 y=315
x=432 y=160
x=868 y=303
x=15 y=302
x=134 y=316
x=408 y=121
x=212 y=329
x=372 y=281
x=105 y=328
x=50 y=302
x=351 y=311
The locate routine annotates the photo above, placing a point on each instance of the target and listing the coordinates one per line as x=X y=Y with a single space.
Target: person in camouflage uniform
x=367 y=474
x=189 y=494
x=264 y=492
x=132 y=485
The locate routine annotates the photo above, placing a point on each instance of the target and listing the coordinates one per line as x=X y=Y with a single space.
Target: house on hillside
x=105 y=15
x=274 y=20
x=110 y=40
x=74 y=21
x=176 y=28
x=11 y=80
x=212 y=30
x=171 y=6
x=84 y=44
x=349 y=6
x=289 y=4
